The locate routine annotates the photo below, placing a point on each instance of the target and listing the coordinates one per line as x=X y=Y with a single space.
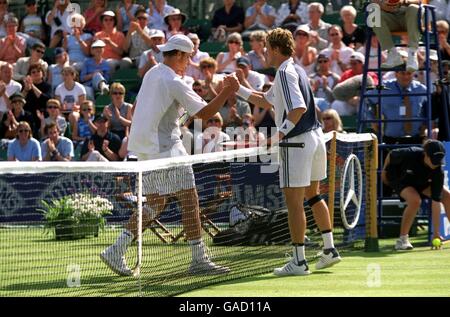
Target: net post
x=371 y=243
x=139 y=231
x=332 y=178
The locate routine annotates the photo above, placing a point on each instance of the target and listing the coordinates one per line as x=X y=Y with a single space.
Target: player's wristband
x=286 y=127
x=244 y=92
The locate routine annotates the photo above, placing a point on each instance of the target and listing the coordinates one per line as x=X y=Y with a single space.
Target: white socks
x=298 y=253
x=328 y=242
x=198 y=248
x=123 y=241
x=404 y=237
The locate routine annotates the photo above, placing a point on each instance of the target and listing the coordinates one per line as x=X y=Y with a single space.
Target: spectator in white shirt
x=210 y=140
x=247 y=77
x=8 y=87
x=152 y=56
x=339 y=53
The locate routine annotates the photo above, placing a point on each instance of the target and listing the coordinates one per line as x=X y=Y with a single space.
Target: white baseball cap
x=178 y=42
x=109 y=13
x=156 y=33
x=98 y=43
x=357 y=56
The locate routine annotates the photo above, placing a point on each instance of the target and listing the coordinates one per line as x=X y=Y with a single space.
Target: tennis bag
x=255 y=225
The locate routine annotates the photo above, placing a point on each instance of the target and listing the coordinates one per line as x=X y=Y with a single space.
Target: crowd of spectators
x=48 y=106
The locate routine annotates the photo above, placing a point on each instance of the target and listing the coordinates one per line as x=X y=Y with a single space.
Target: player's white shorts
x=300 y=166
x=170 y=180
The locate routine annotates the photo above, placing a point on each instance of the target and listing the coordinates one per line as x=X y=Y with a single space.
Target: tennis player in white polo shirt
x=302 y=167
x=154 y=134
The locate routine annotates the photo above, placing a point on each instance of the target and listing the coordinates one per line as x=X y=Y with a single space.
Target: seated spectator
x=114 y=42
x=54 y=76
x=22 y=66
x=247 y=131
x=93 y=13
x=37 y=92
x=12 y=46
x=260 y=16
x=193 y=69
x=56 y=147
x=265 y=118
x=339 y=53
x=434 y=71
x=373 y=59
x=77 y=42
x=319 y=28
x=95 y=73
x=119 y=111
x=138 y=38
x=227 y=19
x=152 y=56
x=197 y=86
x=8 y=87
x=213 y=82
x=354 y=36
x=24 y=147
x=323 y=80
x=257 y=55
x=32 y=24
x=70 y=93
x=3 y=16
x=247 y=77
x=402 y=16
x=84 y=127
x=103 y=144
x=210 y=140
x=442 y=29
x=12 y=118
x=331 y=121
x=174 y=21
x=291 y=14
x=54 y=116
x=401 y=107
x=126 y=13
x=304 y=55
x=226 y=61
x=357 y=61
x=58 y=19
x=157 y=10
x=233 y=111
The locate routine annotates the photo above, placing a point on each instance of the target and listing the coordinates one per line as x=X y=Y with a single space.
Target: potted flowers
x=77 y=215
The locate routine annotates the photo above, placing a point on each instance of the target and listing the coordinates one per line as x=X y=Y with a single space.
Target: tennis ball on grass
x=436 y=242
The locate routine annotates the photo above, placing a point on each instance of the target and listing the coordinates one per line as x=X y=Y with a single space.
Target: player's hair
x=283 y=40
x=50 y=126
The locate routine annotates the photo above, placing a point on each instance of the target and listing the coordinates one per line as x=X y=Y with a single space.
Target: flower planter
x=69 y=230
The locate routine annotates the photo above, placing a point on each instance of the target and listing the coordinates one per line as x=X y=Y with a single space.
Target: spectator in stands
x=23 y=64
x=247 y=77
x=401 y=16
x=226 y=61
x=56 y=147
x=95 y=73
x=324 y=80
x=126 y=13
x=54 y=116
x=78 y=43
x=157 y=10
x=434 y=72
x=138 y=38
x=175 y=20
x=24 y=147
x=54 y=76
x=234 y=110
x=227 y=19
x=257 y=55
x=354 y=36
x=3 y=16
x=103 y=144
x=119 y=111
x=84 y=127
x=12 y=46
x=114 y=42
x=210 y=140
x=260 y=16
x=213 y=82
x=32 y=24
x=58 y=20
x=12 y=118
x=264 y=118
x=319 y=28
x=70 y=93
x=442 y=29
x=373 y=59
x=305 y=55
x=247 y=131
x=331 y=121
x=401 y=107
x=8 y=87
x=357 y=61
x=291 y=14
x=37 y=92
x=152 y=56
x=193 y=69
x=339 y=53
x=93 y=14
x=197 y=86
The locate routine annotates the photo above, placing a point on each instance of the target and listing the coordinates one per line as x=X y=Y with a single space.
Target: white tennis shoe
x=403 y=244
x=115 y=261
x=328 y=258
x=206 y=267
x=291 y=268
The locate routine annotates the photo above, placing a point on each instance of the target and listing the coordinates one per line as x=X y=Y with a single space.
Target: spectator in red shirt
x=92 y=15
x=12 y=46
x=357 y=61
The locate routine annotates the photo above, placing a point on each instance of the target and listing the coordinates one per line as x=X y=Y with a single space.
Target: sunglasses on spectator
x=206 y=66
x=40 y=51
x=117 y=93
x=234 y=42
x=142 y=18
x=23 y=130
x=327 y=118
x=334 y=34
x=322 y=61
x=86 y=109
x=213 y=120
x=52 y=107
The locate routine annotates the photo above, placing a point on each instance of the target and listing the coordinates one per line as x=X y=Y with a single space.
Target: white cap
x=98 y=43
x=302 y=28
x=156 y=33
x=433 y=54
x=178 y=42
x=358 y=56
x=109 y=13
